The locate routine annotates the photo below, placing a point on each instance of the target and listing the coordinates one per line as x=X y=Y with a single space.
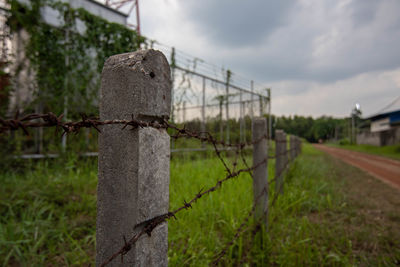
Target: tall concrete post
x=133 y=163
x=260 y=174
x=280 y=143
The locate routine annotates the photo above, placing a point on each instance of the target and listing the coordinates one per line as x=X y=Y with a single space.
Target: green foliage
x=311 y=129
x=67 y=64
x=344 y=141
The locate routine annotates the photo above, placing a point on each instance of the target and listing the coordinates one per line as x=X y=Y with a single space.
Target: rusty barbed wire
x=51 y=120
x=241 y=229
x=150 y=225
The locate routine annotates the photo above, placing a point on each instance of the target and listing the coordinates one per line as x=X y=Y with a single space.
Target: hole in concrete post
x=152 y=75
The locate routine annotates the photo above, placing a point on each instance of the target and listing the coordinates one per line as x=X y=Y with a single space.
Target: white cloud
x=372 y=90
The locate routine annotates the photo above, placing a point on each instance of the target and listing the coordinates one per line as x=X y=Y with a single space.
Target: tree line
x=312 y=129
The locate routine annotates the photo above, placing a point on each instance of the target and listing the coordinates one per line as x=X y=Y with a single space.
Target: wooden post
x=133 y=163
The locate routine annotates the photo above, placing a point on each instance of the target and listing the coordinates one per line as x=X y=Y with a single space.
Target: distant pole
x=228 y=76
x=184 y=111
x=66 y=87
x=203 y=110
x=269 y=115
x=261 y=105
x=252 y=99
x=352 y=129
x=241 y=109
x=173 y=65
x=221 y=129
x=244 y=121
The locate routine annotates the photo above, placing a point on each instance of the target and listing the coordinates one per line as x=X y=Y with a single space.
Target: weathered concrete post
x=260 y=174
x=133 y=174
x=280 y=143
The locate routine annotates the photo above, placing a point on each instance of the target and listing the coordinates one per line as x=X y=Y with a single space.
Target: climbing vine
x=67 y=59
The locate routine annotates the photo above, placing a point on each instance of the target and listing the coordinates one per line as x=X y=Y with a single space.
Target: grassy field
x=392 y=151
x=48 y=216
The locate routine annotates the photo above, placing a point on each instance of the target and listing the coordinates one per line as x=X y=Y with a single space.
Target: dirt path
x=387 y=170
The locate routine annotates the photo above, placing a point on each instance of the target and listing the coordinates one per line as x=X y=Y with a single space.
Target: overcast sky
x=319 y=57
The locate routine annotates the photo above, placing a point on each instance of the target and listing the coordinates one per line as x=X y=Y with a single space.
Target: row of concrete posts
x=133 y=177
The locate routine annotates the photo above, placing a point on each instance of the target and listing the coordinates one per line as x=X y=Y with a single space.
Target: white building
x=14 y=49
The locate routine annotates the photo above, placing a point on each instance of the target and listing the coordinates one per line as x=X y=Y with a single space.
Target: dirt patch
x=385 y=169
x=369 y=215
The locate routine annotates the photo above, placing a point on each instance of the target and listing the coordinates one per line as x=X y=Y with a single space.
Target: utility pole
x=252 y=99
x=228 y=77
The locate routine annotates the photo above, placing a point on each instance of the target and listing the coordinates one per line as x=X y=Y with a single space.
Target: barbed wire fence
x=146 y=130
x=203 y=96
x=204 y=92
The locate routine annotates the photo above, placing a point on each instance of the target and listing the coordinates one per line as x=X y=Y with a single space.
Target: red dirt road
x=387 y=170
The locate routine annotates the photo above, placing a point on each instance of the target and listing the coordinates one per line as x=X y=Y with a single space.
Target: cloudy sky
x=319 y=57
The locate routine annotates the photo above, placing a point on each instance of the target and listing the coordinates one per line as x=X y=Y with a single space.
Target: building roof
x=391 y=108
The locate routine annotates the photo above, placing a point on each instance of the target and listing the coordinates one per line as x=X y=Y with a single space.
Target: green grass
x=392 y=151
x=48 y=215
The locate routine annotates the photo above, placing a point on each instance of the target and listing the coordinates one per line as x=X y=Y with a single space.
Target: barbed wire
x=36 y=120
x=51 y=120
x=150 y=225
x=241 y=229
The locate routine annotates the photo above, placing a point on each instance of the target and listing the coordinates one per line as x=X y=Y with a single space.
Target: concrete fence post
x=133 y=166
x=260 y=174
x=280 y=143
